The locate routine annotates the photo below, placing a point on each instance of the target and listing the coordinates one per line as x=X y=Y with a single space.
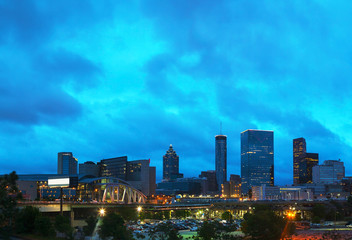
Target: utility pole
x=61 y=191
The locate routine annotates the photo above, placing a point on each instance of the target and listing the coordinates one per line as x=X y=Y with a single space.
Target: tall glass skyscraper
x=257 y=158
x=220 y=159
x=66 y=163
x=299 y=151
x=171 y=165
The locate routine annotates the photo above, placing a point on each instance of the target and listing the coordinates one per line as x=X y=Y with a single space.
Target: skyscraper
x=299 y=151
x=220 y=159
x=257 y=158
x=171 y=165
x=66 y=163
x=303 y=162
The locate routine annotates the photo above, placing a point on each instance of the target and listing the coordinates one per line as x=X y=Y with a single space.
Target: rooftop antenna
x=220 y=128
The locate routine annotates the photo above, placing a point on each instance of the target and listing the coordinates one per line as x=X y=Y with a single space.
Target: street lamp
x=102 y=212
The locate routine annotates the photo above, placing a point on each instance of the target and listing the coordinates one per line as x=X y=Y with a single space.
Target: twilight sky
x=111 y=78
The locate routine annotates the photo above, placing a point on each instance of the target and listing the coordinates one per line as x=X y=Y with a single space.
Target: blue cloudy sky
x=113 y=78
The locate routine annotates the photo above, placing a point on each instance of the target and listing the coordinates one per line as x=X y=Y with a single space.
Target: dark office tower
x=220 y=159
x=152 y=180
x=303 y=162
x=311 y=160
x=235 y=178
x=171 y=165
x=299 y=151
x=88 y=169
x=114 y=167
x=257 y=158
x=66 y=163
x=211 y=185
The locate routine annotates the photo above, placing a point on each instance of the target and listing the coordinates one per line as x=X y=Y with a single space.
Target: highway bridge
x=78 y=211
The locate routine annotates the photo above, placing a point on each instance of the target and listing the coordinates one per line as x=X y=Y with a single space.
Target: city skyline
x=102 y=82
x=301 y=147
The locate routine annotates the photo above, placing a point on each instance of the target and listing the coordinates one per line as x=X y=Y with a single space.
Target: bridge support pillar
x=72 y=216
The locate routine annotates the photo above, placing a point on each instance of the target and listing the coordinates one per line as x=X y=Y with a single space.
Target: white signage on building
x=59 y=182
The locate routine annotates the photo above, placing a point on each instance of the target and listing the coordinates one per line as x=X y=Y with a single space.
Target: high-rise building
x=171 y=165
x=331 y=171
x=221 y=159
x=257 y=159
x=66 y=163
x=235 y=178
x=114 y=167
x=311 y=160
x=211 y=185
x=303 y=162
x=89 y=169
x=152 y=180
x=299 y=151
x=138 y=175
x=232 y=188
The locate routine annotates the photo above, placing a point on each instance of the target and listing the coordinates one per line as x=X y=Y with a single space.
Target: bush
x=113 y=226
x=91 y=223
x=43 y=226
x=25 y=219
x=62 y=225
x=263 y=223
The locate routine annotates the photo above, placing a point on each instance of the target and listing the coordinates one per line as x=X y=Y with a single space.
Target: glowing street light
x=102 y=212
x=139 y=209
x=291 y=215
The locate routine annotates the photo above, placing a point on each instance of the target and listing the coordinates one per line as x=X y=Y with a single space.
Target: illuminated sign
x=59 y=182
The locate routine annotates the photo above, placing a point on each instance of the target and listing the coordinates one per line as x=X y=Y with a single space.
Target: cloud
x=101 y=81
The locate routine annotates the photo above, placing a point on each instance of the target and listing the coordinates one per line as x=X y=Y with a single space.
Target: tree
x=263 y=223
x=9 y=195
x=227 y=216
x=113 y=226
x=91 y=223
x=182 y=214
x=165 y=231
x=62 y=225
x=208 y=230
x=43 y=226
x=319 y=210
x=128 y=213
x=25 y=219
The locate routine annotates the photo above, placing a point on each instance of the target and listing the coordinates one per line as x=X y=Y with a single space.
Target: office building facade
x=211 y=185
x=152 y=180
x=66 y=163
x=221 y=159
x=331 y=171
x=257 y=159
x=303 y=162
x=89 y=169
x=194 y=186
x=171 y=165
x=114 y=167
x=232 y=188
x=138 y=175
